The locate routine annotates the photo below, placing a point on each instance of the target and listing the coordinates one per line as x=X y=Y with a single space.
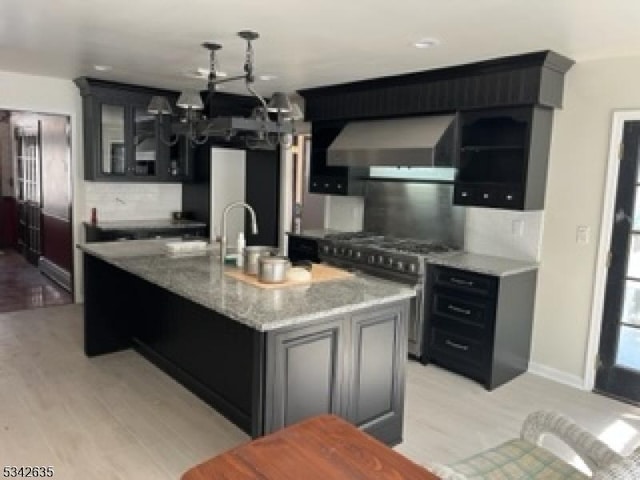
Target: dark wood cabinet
x=306 y=366
x=503 y=158
x=125 y=143
x=329 y=179
x=302 y=248
x=376 y=393
x=352 y=366
x=480 y=325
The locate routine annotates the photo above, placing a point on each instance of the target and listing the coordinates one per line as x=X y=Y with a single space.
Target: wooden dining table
x=320 y=448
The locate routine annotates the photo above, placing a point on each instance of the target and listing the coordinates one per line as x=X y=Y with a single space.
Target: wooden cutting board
x=319 y=273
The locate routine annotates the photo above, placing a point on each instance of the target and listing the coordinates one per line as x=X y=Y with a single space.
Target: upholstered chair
x=524 y=458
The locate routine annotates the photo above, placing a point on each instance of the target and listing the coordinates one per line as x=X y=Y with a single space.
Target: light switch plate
x=517 y=228
x=582 y=234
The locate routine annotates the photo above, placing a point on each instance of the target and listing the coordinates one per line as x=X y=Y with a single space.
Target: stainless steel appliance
x=398 y=259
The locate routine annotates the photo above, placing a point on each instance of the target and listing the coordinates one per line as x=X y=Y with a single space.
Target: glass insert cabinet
x=123 y=142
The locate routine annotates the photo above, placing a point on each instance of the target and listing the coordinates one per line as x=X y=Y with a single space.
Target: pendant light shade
x=159 y=106
x=190 y=100
x=295 y=113
x=279 y=103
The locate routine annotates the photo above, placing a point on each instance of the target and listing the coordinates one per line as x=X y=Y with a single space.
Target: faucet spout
x=223 y=227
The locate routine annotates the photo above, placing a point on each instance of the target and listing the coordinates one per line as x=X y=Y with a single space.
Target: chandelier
x=271 y=123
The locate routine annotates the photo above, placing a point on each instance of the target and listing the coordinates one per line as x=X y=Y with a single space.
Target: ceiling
x=305 y=44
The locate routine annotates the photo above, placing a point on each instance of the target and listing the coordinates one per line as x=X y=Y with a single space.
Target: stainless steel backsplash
x=415 y=210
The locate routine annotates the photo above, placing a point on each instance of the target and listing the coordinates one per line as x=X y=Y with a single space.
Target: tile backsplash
x=504 y=233
x=132 y=201
x=344 y=213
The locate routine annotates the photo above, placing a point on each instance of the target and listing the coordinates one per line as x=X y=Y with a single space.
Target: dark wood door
x=29 y=191
x=618 y=370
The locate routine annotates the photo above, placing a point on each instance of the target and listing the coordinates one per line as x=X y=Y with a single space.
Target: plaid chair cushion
x=517 y=460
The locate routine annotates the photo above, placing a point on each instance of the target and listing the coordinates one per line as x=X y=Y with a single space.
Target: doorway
x=618 y=362
x=36 y=251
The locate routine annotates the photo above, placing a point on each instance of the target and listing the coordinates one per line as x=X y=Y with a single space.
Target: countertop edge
x=505 y=272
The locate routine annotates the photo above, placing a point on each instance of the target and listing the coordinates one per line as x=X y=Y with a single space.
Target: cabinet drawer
x=508 y=198
x=468 y=282
x=457 y=347
x=464 y=195
x=320 y=184
x=463 y=310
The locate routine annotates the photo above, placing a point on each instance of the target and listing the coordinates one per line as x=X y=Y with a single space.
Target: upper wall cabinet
x=505 y=109
x=503 y=158
x=122 y=142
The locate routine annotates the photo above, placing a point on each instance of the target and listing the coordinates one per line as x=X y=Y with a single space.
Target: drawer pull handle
x=457 y=346
x=464 y=311
x=459 y=281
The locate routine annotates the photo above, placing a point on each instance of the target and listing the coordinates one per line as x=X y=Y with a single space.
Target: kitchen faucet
x=223 y=228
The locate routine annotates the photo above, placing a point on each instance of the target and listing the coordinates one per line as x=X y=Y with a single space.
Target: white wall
x=575 y=192
x=52 y=95
x=131 y=201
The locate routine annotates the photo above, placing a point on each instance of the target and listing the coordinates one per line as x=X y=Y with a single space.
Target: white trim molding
x=556 y=375
x=606 y=224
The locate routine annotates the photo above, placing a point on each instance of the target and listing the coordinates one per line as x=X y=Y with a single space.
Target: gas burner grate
x=413 y=246
x=359 y=236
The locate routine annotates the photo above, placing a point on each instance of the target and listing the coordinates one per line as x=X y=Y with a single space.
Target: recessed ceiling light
x=204 y=72
x=267 y=77
x=426 y=43
x=102 y=68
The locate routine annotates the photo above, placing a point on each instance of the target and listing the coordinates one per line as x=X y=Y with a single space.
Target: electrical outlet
x=583 y=234
x=517 y=228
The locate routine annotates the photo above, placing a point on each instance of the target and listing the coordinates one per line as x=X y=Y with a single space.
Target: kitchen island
x=264 y=358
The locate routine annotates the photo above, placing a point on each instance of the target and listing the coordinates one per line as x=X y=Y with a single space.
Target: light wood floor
x=118 y=417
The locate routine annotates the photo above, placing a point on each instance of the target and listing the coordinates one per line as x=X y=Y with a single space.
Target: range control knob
x=389 y=262
x=413 y=268
x=335 y=250
x=358 y=255
x=380 y=260
x=350 y=252
x=341 y=250
x=325 y=248
x=371 y=259
x=400 y=265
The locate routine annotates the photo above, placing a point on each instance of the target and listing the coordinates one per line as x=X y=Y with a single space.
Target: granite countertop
x=486 y=264
x=317 y=234
x=148 y=224
x=201 y=279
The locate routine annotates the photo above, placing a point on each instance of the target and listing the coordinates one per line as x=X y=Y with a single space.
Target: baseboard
x=556 y=375
x=55 y=273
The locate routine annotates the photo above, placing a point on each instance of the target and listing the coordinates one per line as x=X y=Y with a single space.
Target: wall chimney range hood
x=426 y=141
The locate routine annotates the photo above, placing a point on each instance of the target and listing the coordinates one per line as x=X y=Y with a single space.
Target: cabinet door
x=146 y=148
x=378 y=362
x=305 y=365
x=111 y=128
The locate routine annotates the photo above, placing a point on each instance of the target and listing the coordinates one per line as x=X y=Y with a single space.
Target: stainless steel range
x=397 y=259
